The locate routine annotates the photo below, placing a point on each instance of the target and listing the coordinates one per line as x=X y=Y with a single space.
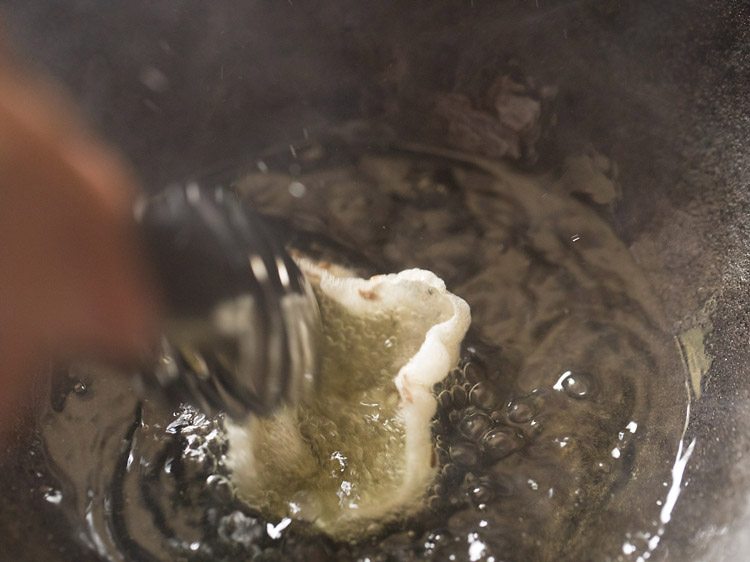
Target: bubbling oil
x=555 y=436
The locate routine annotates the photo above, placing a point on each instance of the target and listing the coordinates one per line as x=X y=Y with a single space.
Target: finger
x=79 y=277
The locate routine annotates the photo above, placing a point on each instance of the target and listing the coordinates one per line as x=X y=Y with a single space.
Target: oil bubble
x=499 y=443
x=497 y=416
x=434 y=502
x=52 y=495
x=445 y=400
x=459 y=396
x=442 y=455
x=474 y=372
x=238 y=528
x=455 y=374
x=575 y=385
x=436 y=427
x=450 y=472
x=521 y=412
x=464 y=454
x=454 y=417
x=221 y=488
x=482 y=397
x=578 y=386
x=435 y=539
x=480 y=493
x=524 y=409
x=474 y=425
x=297 y=189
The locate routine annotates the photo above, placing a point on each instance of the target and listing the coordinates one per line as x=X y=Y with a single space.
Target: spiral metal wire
x=242 y=319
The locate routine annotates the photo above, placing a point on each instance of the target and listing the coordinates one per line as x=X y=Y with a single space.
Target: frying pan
x=186 y=87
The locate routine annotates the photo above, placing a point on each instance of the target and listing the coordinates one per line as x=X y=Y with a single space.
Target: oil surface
x=559 y=436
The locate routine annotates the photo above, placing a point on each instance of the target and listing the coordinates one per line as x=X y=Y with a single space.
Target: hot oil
x=556 y=436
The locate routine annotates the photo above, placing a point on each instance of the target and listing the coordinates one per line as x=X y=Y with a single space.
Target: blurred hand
x=71 y=279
